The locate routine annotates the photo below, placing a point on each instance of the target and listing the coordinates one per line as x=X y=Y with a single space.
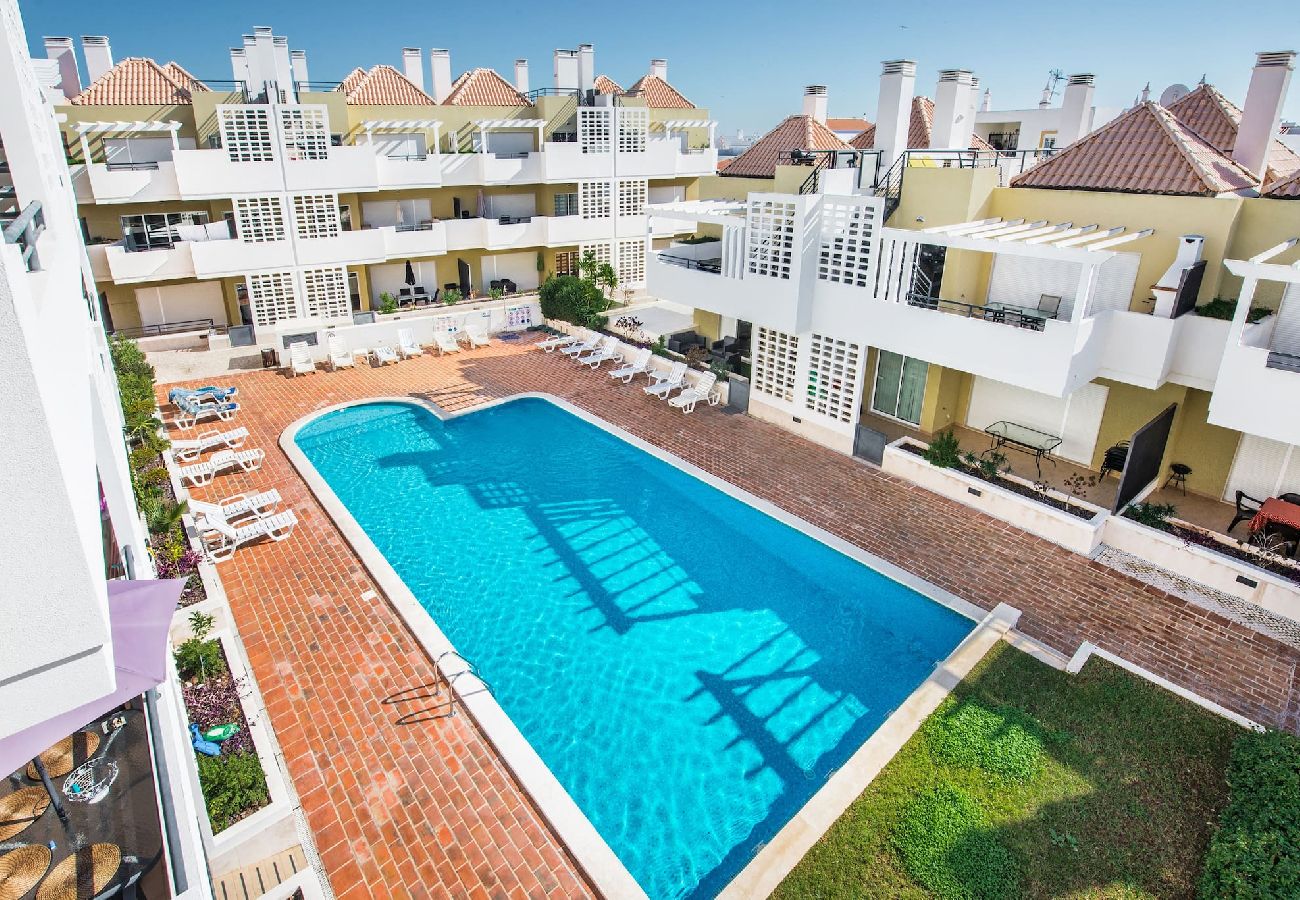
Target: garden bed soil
x=194 y=591
x=1240 y=552
x=1006 y=484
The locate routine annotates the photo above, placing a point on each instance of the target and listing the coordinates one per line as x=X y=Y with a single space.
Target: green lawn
x=1029 y=782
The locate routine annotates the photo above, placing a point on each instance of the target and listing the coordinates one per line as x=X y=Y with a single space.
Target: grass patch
x=1028 y=782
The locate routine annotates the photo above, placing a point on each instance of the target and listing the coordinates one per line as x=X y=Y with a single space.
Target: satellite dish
x=1173 y=94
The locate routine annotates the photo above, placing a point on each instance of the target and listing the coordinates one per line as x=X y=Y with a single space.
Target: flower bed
x=1200 y=537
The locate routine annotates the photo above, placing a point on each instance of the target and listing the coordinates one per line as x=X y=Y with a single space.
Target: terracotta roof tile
x=920 y=129
x=135 y=81
x=1286 y=189
x=1144 y=151
x=483 y=87
x=182 y=77
x=659 y=94
x=795 y=133
x=854 y=125
x=382 y=86
x=606 y=85
x=724 y=161
x=1215 y=118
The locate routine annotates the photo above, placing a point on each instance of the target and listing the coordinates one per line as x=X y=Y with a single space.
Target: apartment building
x=270 y=197
x=1063 y=301
x=1046 y=126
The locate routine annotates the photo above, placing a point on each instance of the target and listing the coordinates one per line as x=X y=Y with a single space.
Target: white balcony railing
x=221 y=259
x=346 y=248
x=126 y=267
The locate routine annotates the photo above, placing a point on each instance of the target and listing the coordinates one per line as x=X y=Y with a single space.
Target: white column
x=894 y=109
x=1262 y=114
x=951 y=110
x=1076 y=109
x=1083 y=294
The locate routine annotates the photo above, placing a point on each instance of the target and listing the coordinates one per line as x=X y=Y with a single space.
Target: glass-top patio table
x=1025 y=439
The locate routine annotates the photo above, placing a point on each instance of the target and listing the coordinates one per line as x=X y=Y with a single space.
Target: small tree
x=607 y=279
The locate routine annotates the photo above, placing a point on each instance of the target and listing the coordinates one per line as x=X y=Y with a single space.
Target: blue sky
x=746 y=61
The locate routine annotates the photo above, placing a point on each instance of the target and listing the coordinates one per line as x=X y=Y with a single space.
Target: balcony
x=703 y=283
x=126 y=182
x=128 y=267
x=346 y=248
x=222 y=259
x=405 y=241
x=396 y=172
x=211 y=174
x=353 y=168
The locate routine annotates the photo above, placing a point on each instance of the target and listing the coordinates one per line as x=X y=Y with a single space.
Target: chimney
x=521 y=76
x=988 y=101
x=298 y=62
x=586 y=68
x=659 y=68
x=894 y=109
x=99 y=56
x=60 y=50
x=413 y=66
x=814 y=102
x=1076 y=109
x=951 y=111
x=566 y=70
x=1045 y=101
x=439 y=74
x=239 y=64
x=1262 y=114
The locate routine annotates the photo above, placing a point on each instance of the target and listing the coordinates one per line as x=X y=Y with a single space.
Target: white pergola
x=486 y=125
x=156 y=127
x=402 y=125
x=727 y=213
x=686 y=124
x=1040 y=238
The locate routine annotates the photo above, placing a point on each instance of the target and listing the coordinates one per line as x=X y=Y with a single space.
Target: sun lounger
x=300 y=361
x=406 y=344
x=189 y=449
x=639 y=363
x=445 y=343
x=703 y=389
x=232 y=509
x=207 y=392
x=340 y=356
x=586 y=346
x=550 y=345
x=477 y=334
x=662 y=385
x=202 y=473
x=193 y=411
x=223 y=539
x=610 y=349
x=384 y=354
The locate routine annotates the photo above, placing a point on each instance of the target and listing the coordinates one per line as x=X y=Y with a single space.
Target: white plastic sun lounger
x=611 y=349
x=702 y=390
x=406 y=344
x=662 y=385
x=232 y=509
x=190 y=449
x=202 y=473
x=477 y=334
x=445 y=343
x=207 y=392
x=384 y=354
x=300 y=361
x=640 y=363
x=340 y=356
x=586 y=346
x=550 y=345
x=192 y=411
x=223 y=539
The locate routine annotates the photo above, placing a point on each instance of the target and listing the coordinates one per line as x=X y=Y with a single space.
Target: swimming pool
x=690 y=668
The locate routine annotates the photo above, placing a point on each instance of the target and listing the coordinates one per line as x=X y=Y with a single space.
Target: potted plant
x=452 y=296
x=387 y=303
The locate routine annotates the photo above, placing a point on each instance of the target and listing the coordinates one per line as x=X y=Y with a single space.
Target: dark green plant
x=1222 y=308
x=944 y=451
x=992 y=464
x=946 y=844
x=452 y=296
x=569 y=299
x=1152 y=515
x=1002 y=742
x=387 y=303
x=232 y=786
x=660 y=346
x=160 y=514
x=699 y=239
x=197 y=658
x=1256 y=850
x=495 y=293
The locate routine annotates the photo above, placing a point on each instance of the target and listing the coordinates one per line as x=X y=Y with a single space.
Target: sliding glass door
x=900 y=387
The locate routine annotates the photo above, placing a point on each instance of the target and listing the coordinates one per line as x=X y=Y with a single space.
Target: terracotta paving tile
x=433 y=804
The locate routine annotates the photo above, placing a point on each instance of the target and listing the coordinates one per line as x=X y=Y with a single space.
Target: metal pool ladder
x=445 y=708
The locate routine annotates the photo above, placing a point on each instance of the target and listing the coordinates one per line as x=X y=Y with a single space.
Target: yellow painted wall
x=943 y=196
x=947 y=392
x=1207 y=448
x=708 y=324
x=721 y=187
x=1263 y=223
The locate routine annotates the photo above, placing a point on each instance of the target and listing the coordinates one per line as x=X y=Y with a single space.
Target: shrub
x=160 y=514
x=1220 y=308
x=451 y=296
x=387 y=303
x=576 y=300
x=1256 y=850
x=945 y=843
x=1002 y=742
x=232 y=786
x=944 y=451
x=1152 y=515
x=198 y=659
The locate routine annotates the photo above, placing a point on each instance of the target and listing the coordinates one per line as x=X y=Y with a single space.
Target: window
x=246 y=133
x=771 y=237
x=566 y=204
x=900 y=387
x=305 y=131
x=593 y=199
x=566 y=262
x=260 y=219
x=631 y=196
x=326 y=292
x=1047 y=140
x=315 y=215
x=776 y=356
x=354 y=291
x=157 y=230
x=272 y=297
x=833 y=378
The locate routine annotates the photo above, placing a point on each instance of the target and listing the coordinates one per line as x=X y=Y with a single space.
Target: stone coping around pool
x=589 y=850
x=778 y=857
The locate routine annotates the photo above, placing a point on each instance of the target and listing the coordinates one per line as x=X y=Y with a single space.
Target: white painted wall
x=521 y=268
x=1076 y=419
x=181 y=302
x=391 y=277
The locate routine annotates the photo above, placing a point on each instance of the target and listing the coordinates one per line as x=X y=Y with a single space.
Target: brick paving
x=430 y=810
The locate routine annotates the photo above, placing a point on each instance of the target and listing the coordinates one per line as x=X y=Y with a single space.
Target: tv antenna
x=1054 y=77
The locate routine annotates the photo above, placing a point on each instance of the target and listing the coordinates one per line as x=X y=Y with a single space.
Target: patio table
x=1025 y=439
x=1028 y=316
x=1276 y=511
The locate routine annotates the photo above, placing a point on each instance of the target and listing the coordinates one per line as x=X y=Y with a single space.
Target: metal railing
x=712 y=266
x=131 y=166
x=24 y=231
x=316 y=87
x=165 y=328
x=1004 y=315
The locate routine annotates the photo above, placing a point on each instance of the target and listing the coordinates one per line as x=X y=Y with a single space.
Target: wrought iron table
x=1026 y=440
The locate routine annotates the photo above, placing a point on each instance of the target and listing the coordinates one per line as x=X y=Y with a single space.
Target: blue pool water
x=691 y=669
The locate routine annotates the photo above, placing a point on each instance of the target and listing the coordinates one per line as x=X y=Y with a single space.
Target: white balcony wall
x=219 y=259
x=425 y=242
x=519 y=234
x=98 y=255
x=466 y=234
x=101 y=184
x=1137 y=348
x=345 y=169
x=697 y=163
x=506 y=170
x=773 y=302
x=210 y=174
x=149 y=265
x=565 y=161
x=1249 y=396
x=1198 y=350
x=392 y=174
x=345 y=248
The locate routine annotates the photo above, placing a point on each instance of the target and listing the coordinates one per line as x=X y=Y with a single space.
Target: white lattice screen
x=833 y=367
x=848 y=235
x=593 y=199
x=325 y=292
x=604 y=252
x=272 y=297
x=633 y=124
x=305 y=131
x=594 y=130
x=776 y=357
x=771 y=230
x=316 y=215
x=631 y=261
x=260 y=219
x=631 y=196
x=246 y=133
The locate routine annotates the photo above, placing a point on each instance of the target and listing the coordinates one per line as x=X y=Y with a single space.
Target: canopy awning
x=1019 y=237
x=677 y=124
x=140 y=616
x=729 y=213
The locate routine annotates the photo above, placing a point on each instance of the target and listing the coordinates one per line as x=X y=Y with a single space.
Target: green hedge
x=1256 y=851
x=232 y=785
x=576 y=300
